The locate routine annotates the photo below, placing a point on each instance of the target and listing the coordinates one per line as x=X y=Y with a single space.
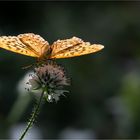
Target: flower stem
x=33 y=116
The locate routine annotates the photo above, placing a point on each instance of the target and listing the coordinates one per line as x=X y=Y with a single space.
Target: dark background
x=104 y=98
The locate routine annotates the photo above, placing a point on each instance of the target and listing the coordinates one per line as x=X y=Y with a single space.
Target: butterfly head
x=46 y=52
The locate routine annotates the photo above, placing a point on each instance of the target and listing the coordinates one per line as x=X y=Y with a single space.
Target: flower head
x=51 y=79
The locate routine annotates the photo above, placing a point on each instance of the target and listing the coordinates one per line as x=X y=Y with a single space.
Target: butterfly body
x=35 y=46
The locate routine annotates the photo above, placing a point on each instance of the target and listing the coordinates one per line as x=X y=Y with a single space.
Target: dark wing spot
x=72 y=53
x=83 y=49
x=8 y=46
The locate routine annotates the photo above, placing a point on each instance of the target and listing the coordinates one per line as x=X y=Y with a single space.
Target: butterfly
x=34 y=45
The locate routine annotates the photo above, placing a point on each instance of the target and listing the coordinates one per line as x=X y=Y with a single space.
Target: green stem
x=33 y=116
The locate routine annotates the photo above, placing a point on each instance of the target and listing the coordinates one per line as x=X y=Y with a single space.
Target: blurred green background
x=104 y=98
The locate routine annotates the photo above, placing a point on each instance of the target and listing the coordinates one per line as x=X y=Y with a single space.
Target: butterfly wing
x=73 y=47
x=12 y=43
x=34 y=45
x=34 y=42
x=61 y=45
x=26 y=44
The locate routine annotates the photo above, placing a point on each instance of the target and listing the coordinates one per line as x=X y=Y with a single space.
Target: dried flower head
x=51 y=79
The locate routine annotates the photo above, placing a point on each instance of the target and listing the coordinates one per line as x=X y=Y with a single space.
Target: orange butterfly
x=35 y=46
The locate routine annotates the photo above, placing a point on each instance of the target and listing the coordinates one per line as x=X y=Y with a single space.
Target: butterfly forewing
x=12 y=43
x=74 y=47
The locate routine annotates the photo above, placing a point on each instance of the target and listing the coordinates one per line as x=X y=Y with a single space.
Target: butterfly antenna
x=39 y=63
x=32 y=65
x=27 y=67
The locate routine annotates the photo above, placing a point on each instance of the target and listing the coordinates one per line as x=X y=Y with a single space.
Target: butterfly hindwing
x=34 y=42
x=61 y=45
